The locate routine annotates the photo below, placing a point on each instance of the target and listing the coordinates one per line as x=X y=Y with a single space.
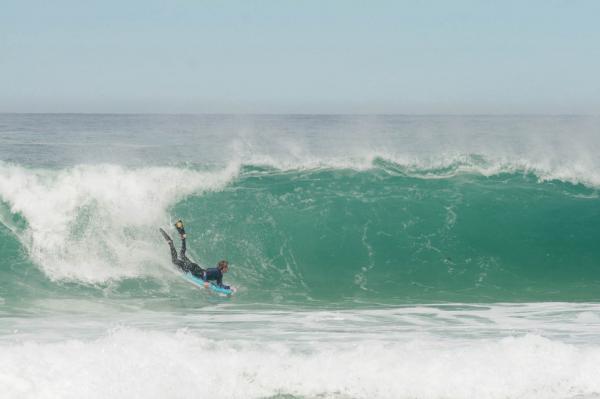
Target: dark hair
x=222 y=264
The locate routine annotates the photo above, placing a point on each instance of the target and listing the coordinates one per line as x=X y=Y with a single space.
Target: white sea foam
x=134 y=363
x=546 y=350
x=93 y=223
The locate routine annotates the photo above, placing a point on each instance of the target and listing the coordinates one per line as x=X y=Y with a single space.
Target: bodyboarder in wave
x=187 y=266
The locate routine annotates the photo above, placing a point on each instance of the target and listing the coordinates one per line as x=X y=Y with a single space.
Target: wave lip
x=90 y=223
x=440 y=166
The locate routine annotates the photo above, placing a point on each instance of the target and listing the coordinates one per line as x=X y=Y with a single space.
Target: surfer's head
x=223 y=266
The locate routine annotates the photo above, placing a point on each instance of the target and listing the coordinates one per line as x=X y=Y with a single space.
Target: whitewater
x=375 y=256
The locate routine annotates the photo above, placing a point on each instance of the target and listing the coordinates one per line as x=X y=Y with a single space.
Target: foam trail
x=93 y=223
x=133 y=363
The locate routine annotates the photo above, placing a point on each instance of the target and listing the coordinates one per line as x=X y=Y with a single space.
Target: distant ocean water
x=375 y=256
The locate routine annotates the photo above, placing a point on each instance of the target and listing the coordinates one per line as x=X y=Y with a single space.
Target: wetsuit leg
x=195 y=269
x=182 y=251
x=188 y=265
x=179 y=263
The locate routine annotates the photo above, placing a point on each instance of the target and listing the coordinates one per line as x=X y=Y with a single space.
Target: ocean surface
x=374 y=256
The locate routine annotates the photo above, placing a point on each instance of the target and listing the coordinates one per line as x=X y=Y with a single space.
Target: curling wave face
x=316 y=208
x=387 y=233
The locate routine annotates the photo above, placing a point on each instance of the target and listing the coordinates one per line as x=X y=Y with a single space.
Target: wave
x=466 y=228
x=129 y=362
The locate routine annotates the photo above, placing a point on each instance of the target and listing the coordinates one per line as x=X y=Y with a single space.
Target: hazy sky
x=196 y=56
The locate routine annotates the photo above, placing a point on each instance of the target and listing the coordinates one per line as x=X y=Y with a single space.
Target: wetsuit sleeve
x=220 y=281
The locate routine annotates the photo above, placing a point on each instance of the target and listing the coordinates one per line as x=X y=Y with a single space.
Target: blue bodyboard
x=198 y=282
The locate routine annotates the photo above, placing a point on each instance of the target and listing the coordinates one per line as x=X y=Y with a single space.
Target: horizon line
x=298 y=114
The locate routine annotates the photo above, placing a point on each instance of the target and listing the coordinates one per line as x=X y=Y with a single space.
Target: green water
x=376 y=236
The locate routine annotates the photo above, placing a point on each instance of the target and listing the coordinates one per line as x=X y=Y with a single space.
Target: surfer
x=186 y=265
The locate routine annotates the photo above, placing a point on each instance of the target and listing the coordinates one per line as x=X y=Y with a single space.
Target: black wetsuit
x=214 y=274
x=186 y=265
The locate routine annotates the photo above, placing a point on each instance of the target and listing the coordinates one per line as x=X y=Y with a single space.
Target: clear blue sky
x=528 y=56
